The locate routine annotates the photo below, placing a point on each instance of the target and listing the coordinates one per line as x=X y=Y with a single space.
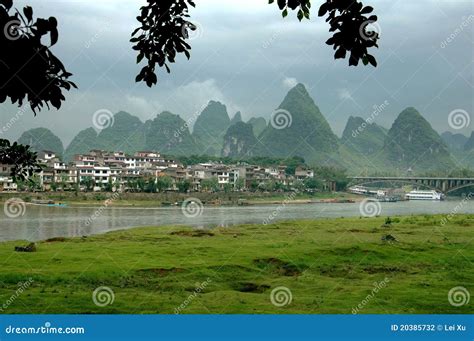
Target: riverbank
x=350 y=265
x=170 y=198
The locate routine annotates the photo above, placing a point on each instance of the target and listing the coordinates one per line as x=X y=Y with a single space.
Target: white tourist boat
x=424 y=195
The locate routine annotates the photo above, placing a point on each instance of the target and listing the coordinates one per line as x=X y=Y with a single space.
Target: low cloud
x=289 y=82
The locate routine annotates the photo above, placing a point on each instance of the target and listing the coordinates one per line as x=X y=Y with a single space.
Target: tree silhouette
x=21 y=157
x=28 y=70
x=164 y=28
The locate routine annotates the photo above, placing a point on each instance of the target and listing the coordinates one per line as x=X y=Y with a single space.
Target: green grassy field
x=328 y=266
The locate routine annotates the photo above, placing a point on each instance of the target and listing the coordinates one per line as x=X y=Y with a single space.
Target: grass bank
x=326 y=266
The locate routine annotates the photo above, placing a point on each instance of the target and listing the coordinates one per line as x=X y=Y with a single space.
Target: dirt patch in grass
x=336 y=271
x=251 y=287
x=384 y=269
x=160 y=271
x=55 y=240
x=356 y=230
x=277 y=266
x=193 y=233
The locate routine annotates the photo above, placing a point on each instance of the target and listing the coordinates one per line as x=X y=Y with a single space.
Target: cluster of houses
x=99 y=169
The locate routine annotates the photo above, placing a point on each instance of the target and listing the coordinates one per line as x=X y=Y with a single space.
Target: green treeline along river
x=39 y=223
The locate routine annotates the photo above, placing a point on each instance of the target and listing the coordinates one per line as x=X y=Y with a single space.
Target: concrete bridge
x=440 y=184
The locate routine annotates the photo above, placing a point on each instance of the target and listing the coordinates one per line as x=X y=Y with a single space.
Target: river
x=39 y=222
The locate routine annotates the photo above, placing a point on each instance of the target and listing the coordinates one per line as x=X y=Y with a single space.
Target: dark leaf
x=28 y=12
x=371 y=60
x=54 y=35
x=340 y=53
x=323 y=9
x=366 y=10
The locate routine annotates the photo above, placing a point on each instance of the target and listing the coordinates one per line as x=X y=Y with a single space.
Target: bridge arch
x=441 y=184
x=460 y=187
x=407 y=182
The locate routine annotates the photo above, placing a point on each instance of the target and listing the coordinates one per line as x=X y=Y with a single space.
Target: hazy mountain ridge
x=411 y=142
x=169 y=134
x=210 y=128
x=42 y=139
x=469 y=145
x=305 y=131
x=363 y=136
x=454 y=141
x=239 y=141
x=258 y=124
x=82 y=143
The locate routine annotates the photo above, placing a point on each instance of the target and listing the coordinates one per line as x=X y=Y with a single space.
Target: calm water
x=40 y=223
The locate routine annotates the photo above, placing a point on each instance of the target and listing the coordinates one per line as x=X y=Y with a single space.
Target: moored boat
x=424 y=195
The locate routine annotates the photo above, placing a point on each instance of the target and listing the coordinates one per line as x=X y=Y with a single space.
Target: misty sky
x=246 y=56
